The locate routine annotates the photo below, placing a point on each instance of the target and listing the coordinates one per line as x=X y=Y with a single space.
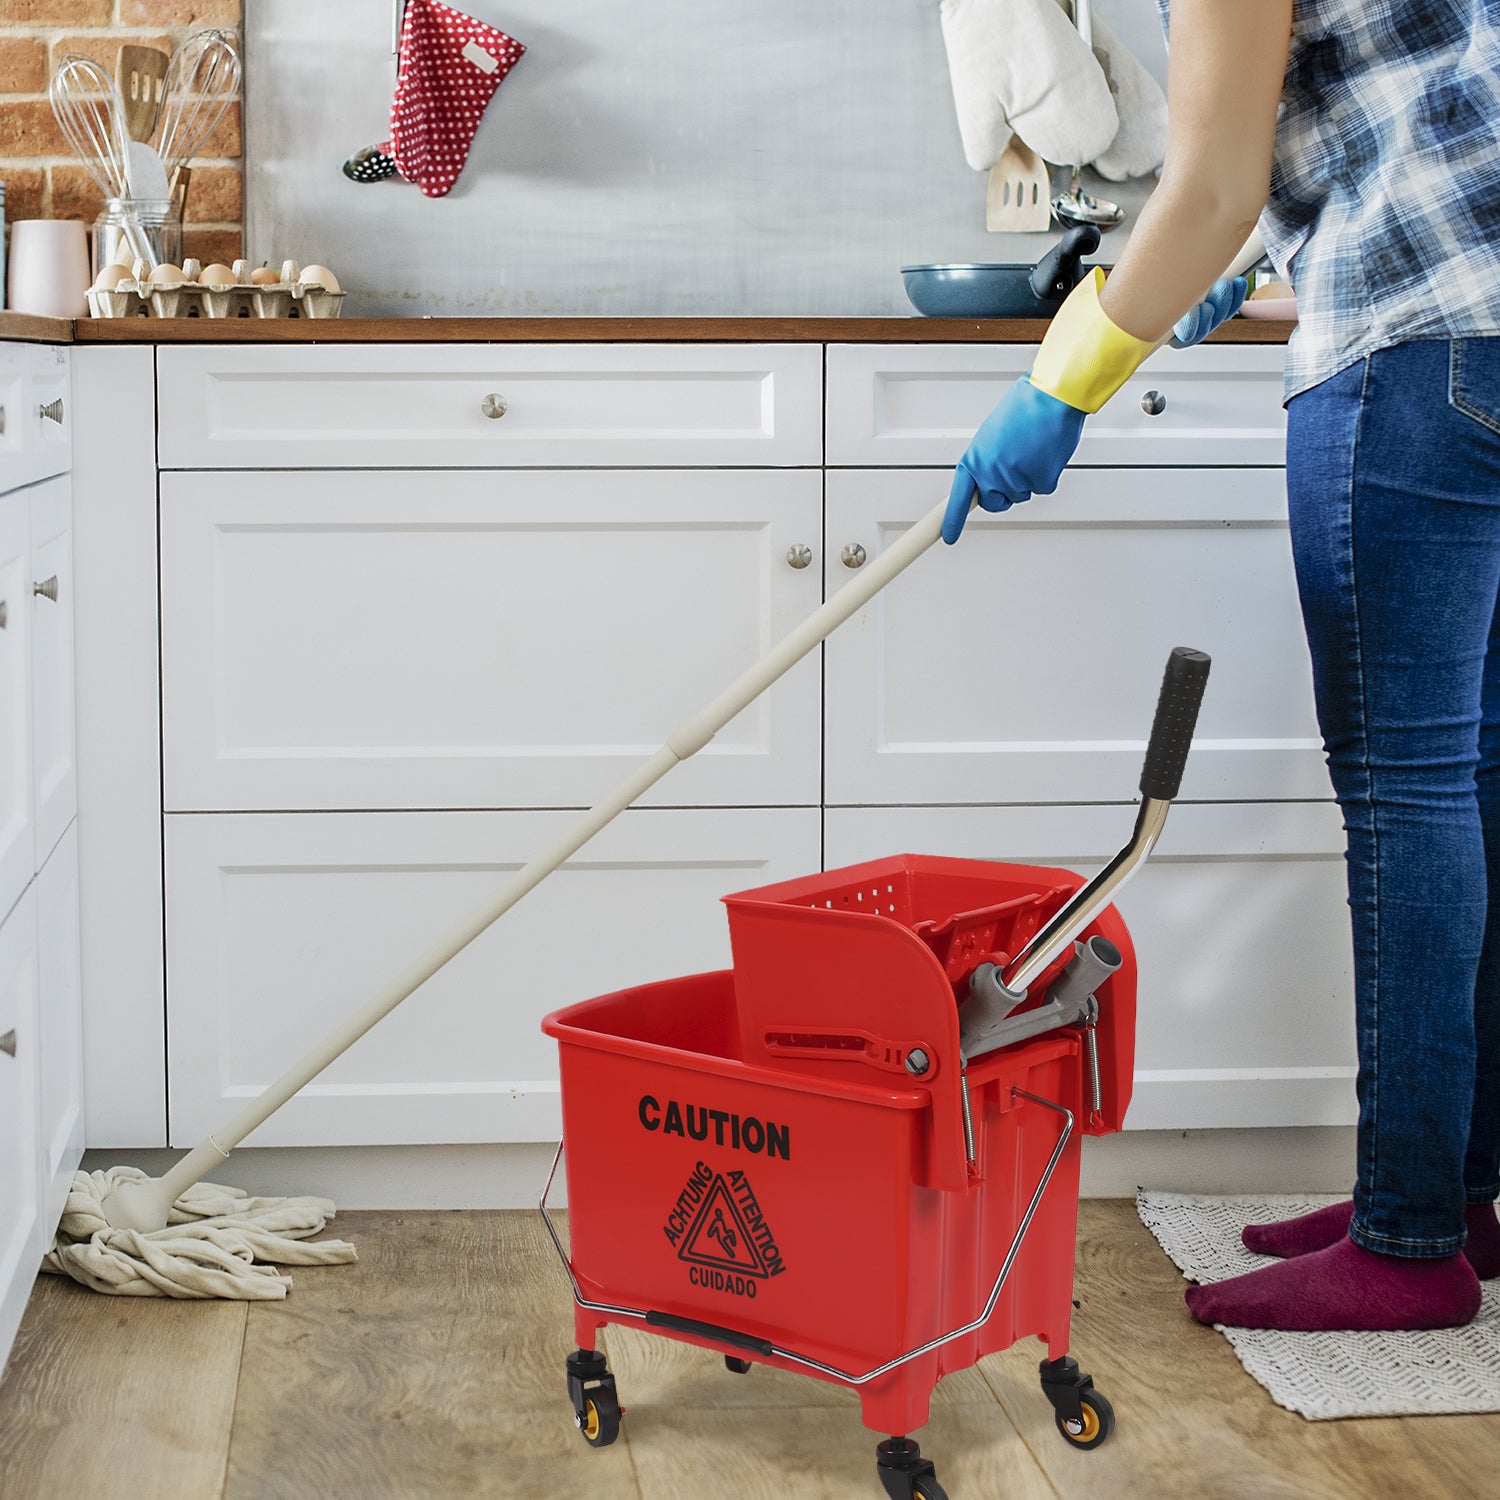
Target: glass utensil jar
x=129 y=227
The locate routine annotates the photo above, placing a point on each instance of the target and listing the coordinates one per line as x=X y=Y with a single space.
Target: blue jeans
x=1393 y=476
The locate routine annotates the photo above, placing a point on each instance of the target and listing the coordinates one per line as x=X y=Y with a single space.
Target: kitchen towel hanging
x=1019 y=66
x=450 y=67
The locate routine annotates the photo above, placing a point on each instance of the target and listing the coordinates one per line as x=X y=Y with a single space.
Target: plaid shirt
x=1384 y=210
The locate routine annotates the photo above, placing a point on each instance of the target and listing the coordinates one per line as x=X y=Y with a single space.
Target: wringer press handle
x=1172 y=729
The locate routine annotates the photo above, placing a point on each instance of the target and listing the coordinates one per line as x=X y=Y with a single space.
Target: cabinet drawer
x=921 y=404
x=278 y=926
x=17 y=849
x=347 y=641
x=1240 y=922
x=1023 y=664
x=48 y=411
x=563 y=405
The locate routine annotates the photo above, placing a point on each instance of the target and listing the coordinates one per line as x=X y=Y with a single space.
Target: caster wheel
x=737 y=1366
x=1097 y=1424
x=600 y=1421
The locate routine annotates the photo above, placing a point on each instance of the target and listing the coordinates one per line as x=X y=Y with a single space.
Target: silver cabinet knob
x=798 y=555
x=1153 y=403
x=494 y=406
x=53 y=411
x=2 y=421
x=47 y=588
x=8 y=1043
x=4 y=614
x=853 y=556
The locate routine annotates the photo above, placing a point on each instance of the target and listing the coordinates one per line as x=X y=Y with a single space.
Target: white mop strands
x=219 y=1242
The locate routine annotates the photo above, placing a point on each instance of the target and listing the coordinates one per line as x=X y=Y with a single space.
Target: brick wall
x=43 y=179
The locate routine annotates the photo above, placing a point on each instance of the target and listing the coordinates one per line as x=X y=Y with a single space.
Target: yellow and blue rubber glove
x=1025 y=443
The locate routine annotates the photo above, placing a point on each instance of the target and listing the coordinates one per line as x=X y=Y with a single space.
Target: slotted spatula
x=1019 y=197
x=139 y=76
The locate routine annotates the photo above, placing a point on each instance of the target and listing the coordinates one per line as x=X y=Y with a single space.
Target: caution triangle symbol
x=719 y=1236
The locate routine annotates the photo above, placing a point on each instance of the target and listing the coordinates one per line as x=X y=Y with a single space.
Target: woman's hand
x=1021 y=449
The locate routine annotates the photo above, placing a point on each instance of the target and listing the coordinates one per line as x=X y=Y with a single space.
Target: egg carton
x=291 y=297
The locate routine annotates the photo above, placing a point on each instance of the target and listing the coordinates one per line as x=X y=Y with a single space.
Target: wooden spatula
x=139 y=76
x=1019 y=197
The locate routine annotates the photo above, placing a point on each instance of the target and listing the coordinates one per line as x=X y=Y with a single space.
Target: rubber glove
x=1025 y=443
x=1021 y=449
x=1221 y=304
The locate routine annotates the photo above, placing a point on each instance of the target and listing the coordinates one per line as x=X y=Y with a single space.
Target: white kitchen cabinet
x=20 y=1199
x=489 y=406
x=515 y=639
x=59 y=1024
x=1245 y=1006
x=279 y=925
x=1023 y=664
x=921 y=403
x=17 y=822
x=35 y=420
x=54 y=741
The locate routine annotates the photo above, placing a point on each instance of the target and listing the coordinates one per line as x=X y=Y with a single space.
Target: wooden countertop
x=597 y=330
x=25 y=329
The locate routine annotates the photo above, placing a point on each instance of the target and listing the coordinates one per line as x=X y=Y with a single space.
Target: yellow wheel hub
x=591 y=1421
x=1088 y=1429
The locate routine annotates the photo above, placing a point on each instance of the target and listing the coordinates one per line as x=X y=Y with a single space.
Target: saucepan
x=1003 y=291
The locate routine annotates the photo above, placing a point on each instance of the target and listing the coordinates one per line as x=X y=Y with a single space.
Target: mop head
x=219 y=1242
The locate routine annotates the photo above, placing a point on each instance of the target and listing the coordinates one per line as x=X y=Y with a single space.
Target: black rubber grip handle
x=709 y=1331
x=1172 y=729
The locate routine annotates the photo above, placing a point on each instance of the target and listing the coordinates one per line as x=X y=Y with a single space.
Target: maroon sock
x=1307 y=1232
x=1344 y=1286
x=1483 y=1245
x=1327 y=1226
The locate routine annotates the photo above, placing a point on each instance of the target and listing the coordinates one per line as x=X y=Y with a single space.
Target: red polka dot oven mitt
x=450 y=67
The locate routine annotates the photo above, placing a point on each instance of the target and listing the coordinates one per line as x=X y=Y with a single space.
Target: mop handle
x=687 y=739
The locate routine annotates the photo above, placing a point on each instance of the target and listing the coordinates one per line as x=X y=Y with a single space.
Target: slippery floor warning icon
x=721 y=1238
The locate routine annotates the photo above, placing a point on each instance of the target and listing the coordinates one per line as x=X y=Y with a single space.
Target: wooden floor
x=434 y=1368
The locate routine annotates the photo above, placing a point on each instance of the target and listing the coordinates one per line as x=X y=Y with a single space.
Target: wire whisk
x=202 y=80
x=88 y=113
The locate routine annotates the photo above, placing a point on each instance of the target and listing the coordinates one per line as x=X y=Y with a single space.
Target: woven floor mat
x=1324 y=1375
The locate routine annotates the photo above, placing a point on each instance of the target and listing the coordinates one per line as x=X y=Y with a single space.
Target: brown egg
x=217 y=274
x=320 y=276
x=167 y=275
x=110 y=277
x=265 y=276
x=1271 y=289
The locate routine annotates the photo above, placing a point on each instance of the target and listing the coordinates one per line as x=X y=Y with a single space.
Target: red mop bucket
x=754 y=1167
x=855 y=1154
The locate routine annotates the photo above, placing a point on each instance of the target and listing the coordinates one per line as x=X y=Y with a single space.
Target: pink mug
x=49 y=268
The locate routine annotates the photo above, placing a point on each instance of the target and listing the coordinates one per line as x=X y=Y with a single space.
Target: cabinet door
x=54 y=740
x=49 y=420
x=1023 y=665
x=60 y=1070
x=479 y=640
x=920 y=404
x=1245 y=1010
x=279 y=925
x=17 y=851
x=20 y=1208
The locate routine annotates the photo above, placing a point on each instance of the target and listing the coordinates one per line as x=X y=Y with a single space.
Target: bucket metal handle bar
x=764 y=1346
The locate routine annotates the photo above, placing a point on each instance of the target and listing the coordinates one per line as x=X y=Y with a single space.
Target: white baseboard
x=1283 y=1160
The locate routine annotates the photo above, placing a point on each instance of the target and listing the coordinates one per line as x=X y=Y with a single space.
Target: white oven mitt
x=1140 y=144
x=1019 y=66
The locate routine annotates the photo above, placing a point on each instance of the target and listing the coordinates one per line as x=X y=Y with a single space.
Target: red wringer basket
x=856 y=1153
